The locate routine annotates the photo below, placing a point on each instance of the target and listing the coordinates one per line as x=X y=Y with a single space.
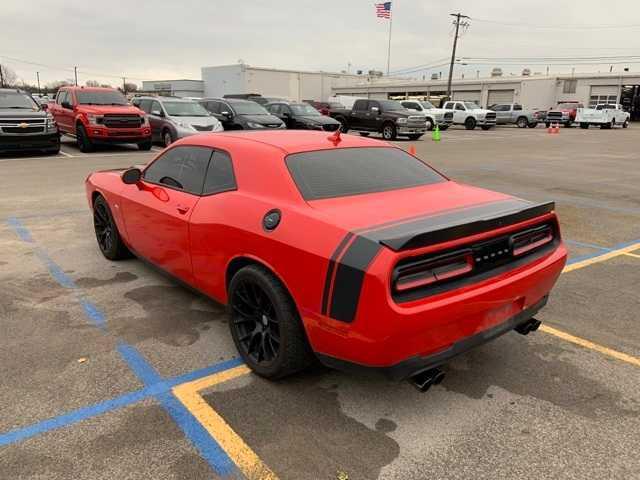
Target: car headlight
x=401 y=120
x=184 y=125
x=255 y=125
x=51 y=123
x=94 y=119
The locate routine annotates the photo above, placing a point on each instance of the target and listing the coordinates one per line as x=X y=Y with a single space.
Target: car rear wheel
x=533 y=125
x=265 y=325
x=389 y=132
x=486 y=127
x=145 y=145
x=443 y=127
x=107 y=235
x=613 y=123
x=84 y=143
x=625 y=124
x=547 y=124
x=522 y=122
x=470 y=123
x=584 y=125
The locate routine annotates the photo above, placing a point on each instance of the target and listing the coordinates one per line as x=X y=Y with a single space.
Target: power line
x=556 y=27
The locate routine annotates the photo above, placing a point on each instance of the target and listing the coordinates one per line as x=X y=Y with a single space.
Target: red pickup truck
x=99 y=116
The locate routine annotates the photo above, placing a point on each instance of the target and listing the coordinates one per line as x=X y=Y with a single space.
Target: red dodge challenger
x=341 y=248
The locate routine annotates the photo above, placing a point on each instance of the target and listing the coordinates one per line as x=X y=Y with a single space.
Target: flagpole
x=389 y=48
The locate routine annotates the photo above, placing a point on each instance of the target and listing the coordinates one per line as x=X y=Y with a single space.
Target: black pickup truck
x=24 y=125
x=387 y=117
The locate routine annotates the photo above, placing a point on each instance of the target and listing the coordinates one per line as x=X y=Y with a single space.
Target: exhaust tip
x=424 y=380
x=529 y=326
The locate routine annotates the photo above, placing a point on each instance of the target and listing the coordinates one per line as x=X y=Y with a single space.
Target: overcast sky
x=162 y=40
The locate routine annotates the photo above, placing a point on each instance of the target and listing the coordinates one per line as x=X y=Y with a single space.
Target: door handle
x=182 y=209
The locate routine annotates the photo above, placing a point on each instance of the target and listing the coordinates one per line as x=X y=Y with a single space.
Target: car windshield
x=304 y=109
x=390 y=105
x=427 y=105
x=567 y=106
x=17 y=101
x=185 y=109
x=471 y=105
x=249 y=108
x=96 y=97
x=353 y=171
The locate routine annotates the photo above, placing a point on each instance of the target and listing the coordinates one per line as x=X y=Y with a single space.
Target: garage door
x=603 y=94
x=500 y=96
x=468 y=95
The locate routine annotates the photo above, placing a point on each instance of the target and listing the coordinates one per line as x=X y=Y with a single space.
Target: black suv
x=24 y=125
x=236 y=114
x=302 y=116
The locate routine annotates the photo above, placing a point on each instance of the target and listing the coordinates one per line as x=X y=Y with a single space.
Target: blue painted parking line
x=599 y=253
x=208 y=448
x=587 y=245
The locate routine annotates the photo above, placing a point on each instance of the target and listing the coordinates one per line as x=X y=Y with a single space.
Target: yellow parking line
x=590 y=345
x=239 y=452
x=601 y=258
x=632 y=255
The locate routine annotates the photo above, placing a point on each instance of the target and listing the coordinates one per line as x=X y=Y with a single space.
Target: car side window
x=62 y=97
x=213 y=107
x=517 y=107
x=286 y=110
x=220 y=176
x=373 y=104
x=360 y=105
x=182 y=168
x=275 y=109
x=155 y=108
x=448 y=105
x=145 y=105
x=459 y=106
x=411 y=105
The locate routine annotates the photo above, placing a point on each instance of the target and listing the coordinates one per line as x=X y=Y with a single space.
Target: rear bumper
x=29 y=142
x=416 y=364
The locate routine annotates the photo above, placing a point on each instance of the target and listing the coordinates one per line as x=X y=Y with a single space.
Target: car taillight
x=524 y=242
x=434 y=270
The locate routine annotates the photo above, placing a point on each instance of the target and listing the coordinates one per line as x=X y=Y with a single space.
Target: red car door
x=157 y=210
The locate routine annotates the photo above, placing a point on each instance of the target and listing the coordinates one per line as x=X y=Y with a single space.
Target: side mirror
x=44 y=107
x=66 y=105
x=131 y=176
x=286 y=114
x=226 y=114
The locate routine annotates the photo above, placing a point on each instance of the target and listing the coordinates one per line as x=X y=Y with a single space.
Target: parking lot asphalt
x=112 y=371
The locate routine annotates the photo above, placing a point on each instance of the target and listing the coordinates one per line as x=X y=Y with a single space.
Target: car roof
x=287 y=141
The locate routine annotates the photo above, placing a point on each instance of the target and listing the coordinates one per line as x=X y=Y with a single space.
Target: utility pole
x=75 y=74
x=38 y=77
x=124 y=85
x=1 y=77
x=457 y=22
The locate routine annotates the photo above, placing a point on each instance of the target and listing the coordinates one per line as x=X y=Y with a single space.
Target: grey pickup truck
x=387 y=117
x=514 y=114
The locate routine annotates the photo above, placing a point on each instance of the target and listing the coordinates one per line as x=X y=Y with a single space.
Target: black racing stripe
x=350 y=277
x=331 y=268
x=441 y=228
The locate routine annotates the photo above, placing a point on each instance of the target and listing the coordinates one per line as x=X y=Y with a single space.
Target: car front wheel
x=107 y=235
x=470 y=123
x=265 y=325
x=389 y=132
x=167 y=138
x=84 y=142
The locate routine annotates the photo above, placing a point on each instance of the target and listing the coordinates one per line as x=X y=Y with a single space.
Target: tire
x=167 y=138
x=364 y=134
x=145 y=146
x=486 y=127
x=414 y=137
x=443 y=127
x=547 y=124
x=470 y=123
x=522 y=122
x=344 y=126
x=625 y=123
x=53 y=151
x=568 y=124
x=83 y=140
x=107 y=235
x=533 y=125
x=430 y=124
x=265 y=325
x=613 y=123
x=584 y=125
x=389 y=131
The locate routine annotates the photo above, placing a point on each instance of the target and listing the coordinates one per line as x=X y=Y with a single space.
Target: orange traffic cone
x=557 y=128
x=412 y=150
x=550 y=129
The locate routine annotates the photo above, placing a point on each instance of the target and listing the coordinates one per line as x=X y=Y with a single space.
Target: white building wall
x=537 y=94
x=224 y=79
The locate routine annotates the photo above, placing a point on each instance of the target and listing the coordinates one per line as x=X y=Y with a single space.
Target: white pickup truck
x=606 y=116
x=470 y=115
x=435 y=116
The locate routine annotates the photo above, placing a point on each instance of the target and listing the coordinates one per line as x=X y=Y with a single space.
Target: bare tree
x=131 y=87
x=92 y=83
x=7 y=76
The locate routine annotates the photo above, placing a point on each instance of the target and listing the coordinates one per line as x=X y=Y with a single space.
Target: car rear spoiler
x=458 y=223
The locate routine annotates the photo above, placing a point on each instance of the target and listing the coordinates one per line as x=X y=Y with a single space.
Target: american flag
x=383 y=10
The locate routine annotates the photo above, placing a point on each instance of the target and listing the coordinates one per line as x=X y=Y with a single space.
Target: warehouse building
x=176 y=88
x=531 y=91
x=270 y=82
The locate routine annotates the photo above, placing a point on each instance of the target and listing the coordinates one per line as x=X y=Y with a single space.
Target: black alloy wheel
x=255 y=321
x=107 y=235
